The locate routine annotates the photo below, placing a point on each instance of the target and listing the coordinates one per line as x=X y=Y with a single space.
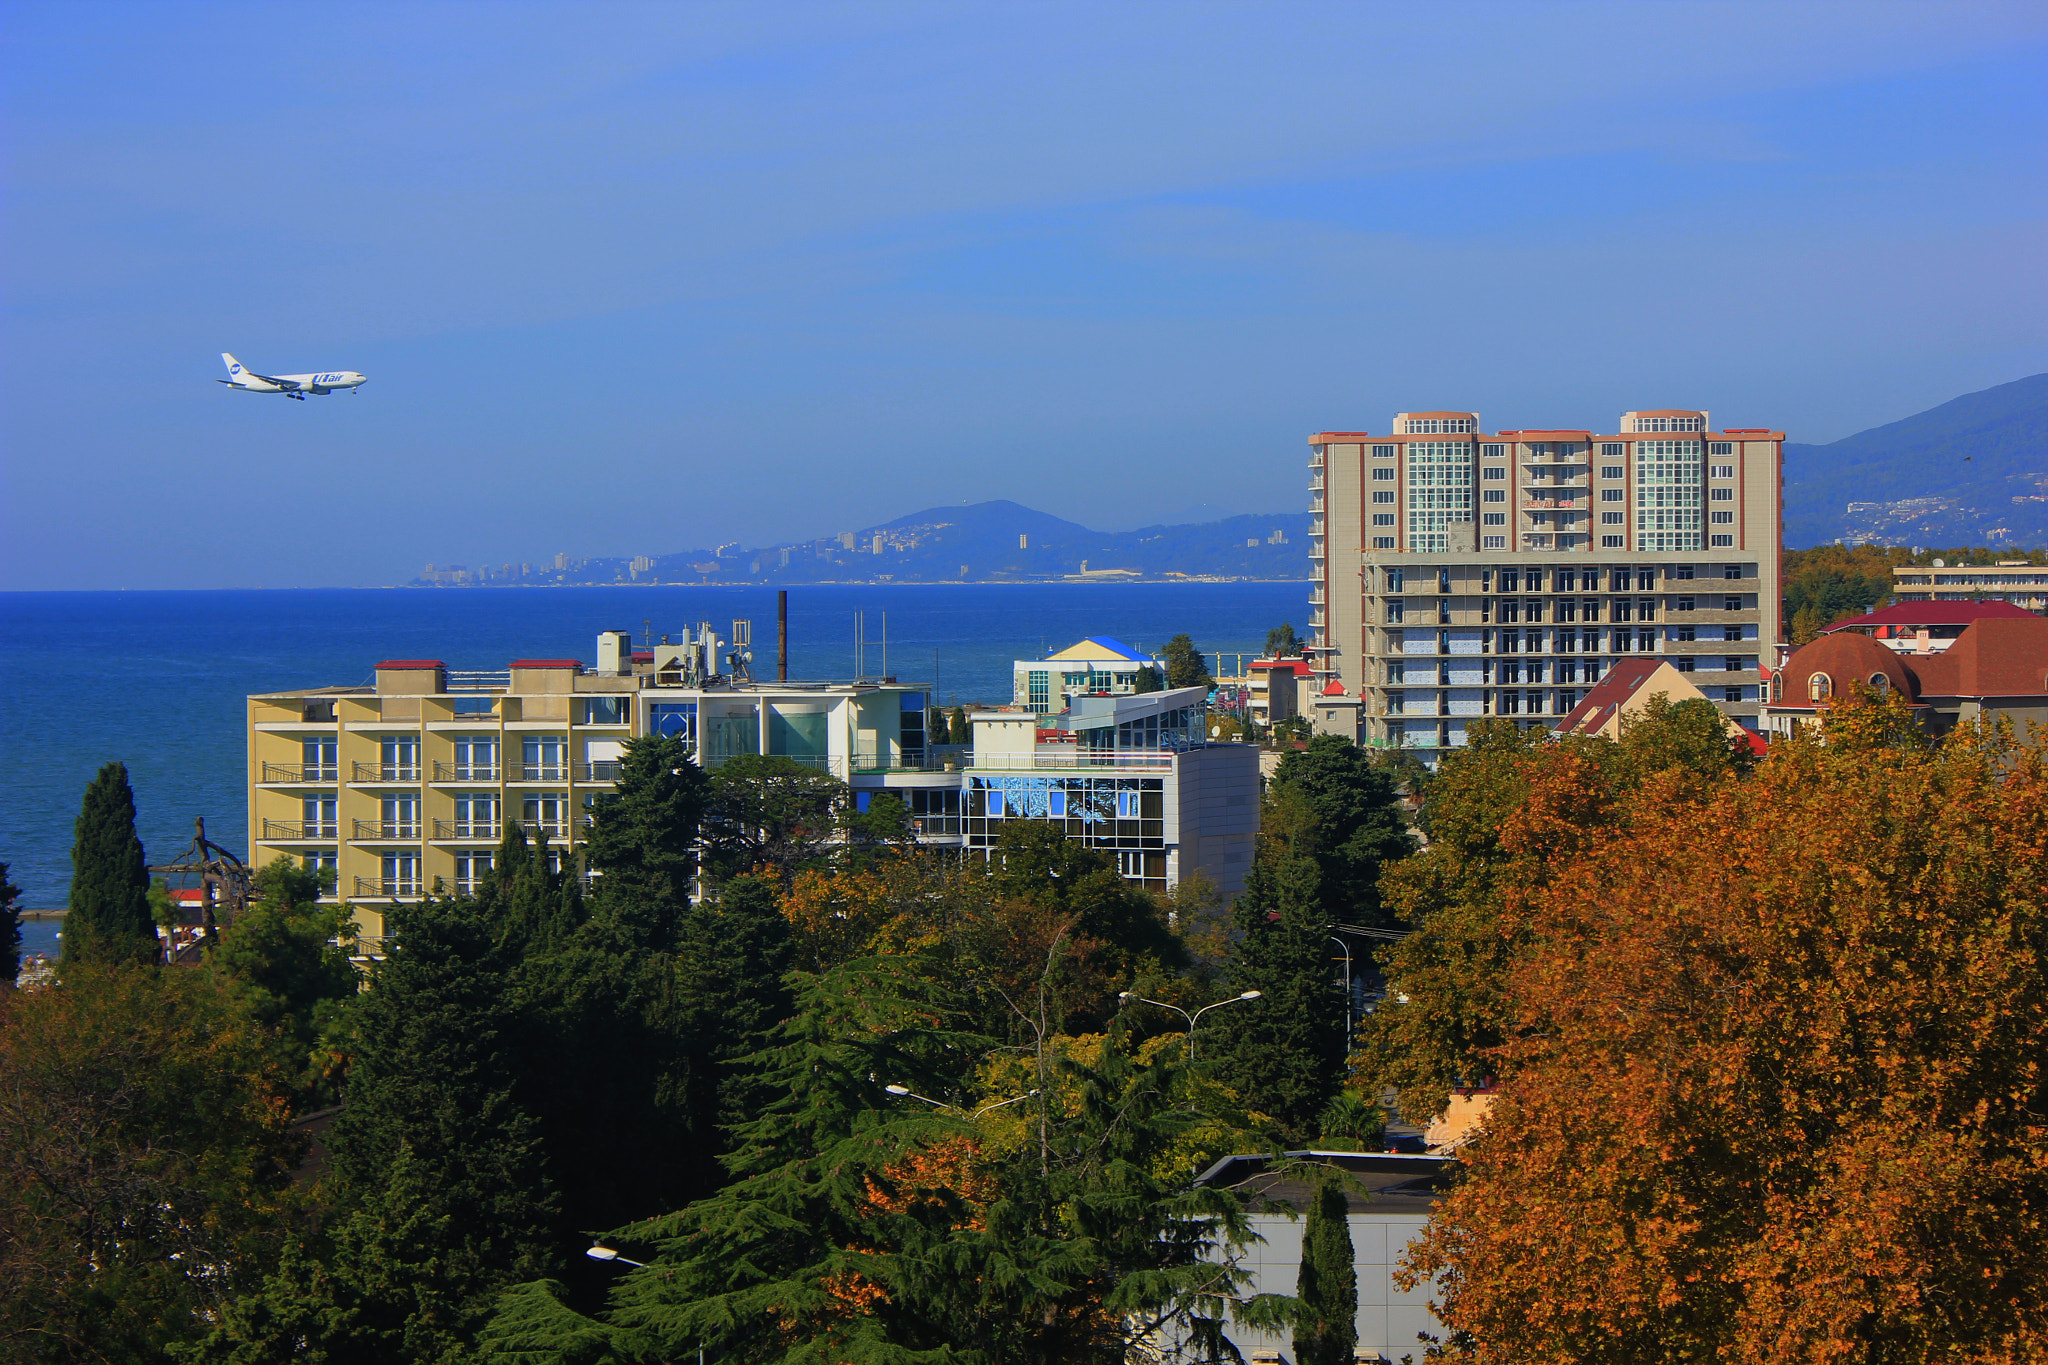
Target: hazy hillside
x=1972 y=471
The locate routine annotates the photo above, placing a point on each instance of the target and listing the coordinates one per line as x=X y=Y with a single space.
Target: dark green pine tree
x=10 y=927
x=109 y=919
x=643 y=841
x=959 y=731
x=735 y=953
x=1356 y=823
x=1326 y=1333
x=1283 y=1053
x=1185 y=666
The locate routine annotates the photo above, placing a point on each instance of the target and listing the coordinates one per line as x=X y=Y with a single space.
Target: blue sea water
x=157 y=679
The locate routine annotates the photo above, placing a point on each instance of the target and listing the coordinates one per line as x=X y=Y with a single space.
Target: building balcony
x=300 y=831
x=387 y=830
x=1315 y=526
x=1076 y=757
x=385 y=772
x=1315 y=484
x=552 y=829
x=536 y=772
x=1315 y=595
x=293 y=774
x=1565 y=503
x=388 y=888
x=465 y=772
x=604 y=770
x=491 y=830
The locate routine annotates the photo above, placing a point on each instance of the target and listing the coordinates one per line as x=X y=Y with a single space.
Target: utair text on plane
x=290 y=385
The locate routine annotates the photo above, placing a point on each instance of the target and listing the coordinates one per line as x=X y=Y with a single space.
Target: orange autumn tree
x=1774 y=1084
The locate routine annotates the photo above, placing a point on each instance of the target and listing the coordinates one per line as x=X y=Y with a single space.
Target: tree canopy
x=1185 y=666
x=109 y=918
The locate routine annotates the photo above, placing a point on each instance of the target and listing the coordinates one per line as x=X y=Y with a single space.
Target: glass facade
x=1439 y=493
x=1670 y=495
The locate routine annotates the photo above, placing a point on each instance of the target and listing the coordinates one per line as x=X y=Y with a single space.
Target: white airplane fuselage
x=290 y=385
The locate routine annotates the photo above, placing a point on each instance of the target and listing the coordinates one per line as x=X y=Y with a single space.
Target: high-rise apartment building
x=1461 y=574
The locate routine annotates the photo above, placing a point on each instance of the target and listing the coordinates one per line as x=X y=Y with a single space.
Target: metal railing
x=604 y=770
x=389 y=888
x=300 y=829
x=1081 y=758
x=386 y=772
x=554 y=829
x=537 y=772
x=479 y=680
x=387 y=829
x=301 y=772
x=465 y=772
x=468 y=829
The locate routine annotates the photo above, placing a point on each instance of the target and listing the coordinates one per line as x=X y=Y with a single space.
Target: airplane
x=290 y=385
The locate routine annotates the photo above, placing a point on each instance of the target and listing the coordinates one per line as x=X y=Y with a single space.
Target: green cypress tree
x=1354 y=826
x=1326 y=1333
x=643 y=841
x=1284 y=1053
x=735 y=953
x=959 y=730
x=10 y=927
x=1185 y=666
x=109 y=919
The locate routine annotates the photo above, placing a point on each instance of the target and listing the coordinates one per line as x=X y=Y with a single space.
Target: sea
x=157 y=680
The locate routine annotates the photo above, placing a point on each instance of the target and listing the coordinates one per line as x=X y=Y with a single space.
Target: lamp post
x=906 y=1091
x=604 y=1253
x=1347 y=988
x=1126 y=997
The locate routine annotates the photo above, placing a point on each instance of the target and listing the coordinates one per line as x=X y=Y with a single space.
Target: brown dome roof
x=1847 y=659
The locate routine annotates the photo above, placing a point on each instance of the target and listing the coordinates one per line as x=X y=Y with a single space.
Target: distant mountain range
x=1973 y=471
x=984 y=542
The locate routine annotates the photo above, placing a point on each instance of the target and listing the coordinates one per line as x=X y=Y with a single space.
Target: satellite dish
x=1940 y=563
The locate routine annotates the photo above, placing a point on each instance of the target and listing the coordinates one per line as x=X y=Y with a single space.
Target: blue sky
x=632 y=279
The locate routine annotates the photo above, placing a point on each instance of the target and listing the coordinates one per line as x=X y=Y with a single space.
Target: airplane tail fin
x=235 y=370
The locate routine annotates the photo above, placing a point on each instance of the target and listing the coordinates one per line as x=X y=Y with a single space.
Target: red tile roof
x=1928 y=614
x=1998 y=656
x=1609 y=694
x=411 y=663
x=1847 y=659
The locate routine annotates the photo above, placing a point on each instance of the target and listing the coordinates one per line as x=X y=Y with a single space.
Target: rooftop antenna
x=647 y=632
x=885 y=646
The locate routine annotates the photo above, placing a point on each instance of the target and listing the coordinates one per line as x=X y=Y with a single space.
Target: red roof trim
x=400 y=664
x=547 y=663
x=1323 y=438
x=1931 y=614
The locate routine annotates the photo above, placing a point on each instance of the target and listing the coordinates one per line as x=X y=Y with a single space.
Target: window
x=1383 y=495
x=401 y=818
x=1612 y=450
x=1494 y=452
x=1734 y=571
x=1681 y=632
x=319 y=813
x=1494 y=473
x=1721 y=495
x=1721 y=471
x=1614 y=471
x=1433 y=426
x=476 y=758
x=1723 y=518
x=1397 y=670
x=401 y=874
x=605 y=711
x=1397 y=703
x=1613 y=519
x=1723 y=448
x=1732 y=602
x=1722 y=542
x=1395 y=576
x=1880 y=684
x=1383 y=518
x=1495 y=542
x=1681 y=571
x=1684 y=663
x=1731 y=632
x=317 y=756
x=1646 y=578
x=1493 y=518
x=1383 y=542
x=1038 y=690
x=1397 y=609
x=1383 y=452
x=1614 y=542
x=1511 y=579
x=1683 y=603
x=1383 y=473
x=546 y=813
x=1646 y=608
x=1614 y=495
x=1494 y=495
x=1670 y=424
x=476 y=815
x=1819 y=687
x=400 y=757
x=544 y=760
x=1731 y=694
x=470 y=869
x=1567 y=609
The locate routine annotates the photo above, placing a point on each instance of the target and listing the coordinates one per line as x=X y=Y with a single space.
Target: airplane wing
x=281 y=383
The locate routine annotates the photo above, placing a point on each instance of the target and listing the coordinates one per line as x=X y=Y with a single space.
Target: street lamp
x=905 y=1090
x=604 y=1253
x=1126 y=997
x=1347 y=988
